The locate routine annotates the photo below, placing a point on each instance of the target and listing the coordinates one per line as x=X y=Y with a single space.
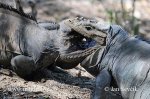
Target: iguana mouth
x=81 y=48
x=80 y=42
x=89 y=28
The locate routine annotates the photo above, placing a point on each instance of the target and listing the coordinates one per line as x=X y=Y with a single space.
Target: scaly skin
x=124 y=59
x=29 y=47
x=83 y=27
x=68 y=60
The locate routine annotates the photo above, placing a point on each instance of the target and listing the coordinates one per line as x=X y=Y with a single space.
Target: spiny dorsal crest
x=10 y=8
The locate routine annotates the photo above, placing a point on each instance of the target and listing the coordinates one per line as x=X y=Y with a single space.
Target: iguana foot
x=23 y=65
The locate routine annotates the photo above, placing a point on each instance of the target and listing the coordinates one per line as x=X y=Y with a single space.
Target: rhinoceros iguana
x=124 y=59
x=29 y=47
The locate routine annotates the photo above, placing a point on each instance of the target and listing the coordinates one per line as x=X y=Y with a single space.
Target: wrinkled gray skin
x=71 y=53
x=68 y=42
x=49 y=25
x=24 y=43
x=124 y=60
x=28 y=47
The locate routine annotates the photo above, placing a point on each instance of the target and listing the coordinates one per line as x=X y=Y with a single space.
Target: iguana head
x=75 y=47
x=96 y=30
x=91 y=28
x=74 y=41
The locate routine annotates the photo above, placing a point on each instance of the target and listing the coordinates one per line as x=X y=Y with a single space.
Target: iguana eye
x=88 y=28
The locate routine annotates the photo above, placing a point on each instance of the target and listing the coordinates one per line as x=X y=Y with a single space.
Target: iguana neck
x=115 y=39
x=104 y=58
x=115 y=34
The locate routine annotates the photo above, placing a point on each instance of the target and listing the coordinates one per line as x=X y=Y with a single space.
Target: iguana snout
x=90 y=28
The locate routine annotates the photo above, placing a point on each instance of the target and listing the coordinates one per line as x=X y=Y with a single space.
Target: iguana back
x=20 y=35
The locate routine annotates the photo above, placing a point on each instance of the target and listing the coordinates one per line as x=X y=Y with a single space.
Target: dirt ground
x=47 y=85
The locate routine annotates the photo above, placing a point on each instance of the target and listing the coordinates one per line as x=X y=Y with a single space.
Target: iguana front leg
x=103 y=80
x=23 y=65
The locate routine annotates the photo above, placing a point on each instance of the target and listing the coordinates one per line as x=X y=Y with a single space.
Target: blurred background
x=133 y=15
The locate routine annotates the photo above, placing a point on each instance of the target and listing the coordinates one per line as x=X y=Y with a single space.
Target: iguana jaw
x=89 y=28
x=75 y=56
x=76 y=47
x=73 y=59
x=78 y=54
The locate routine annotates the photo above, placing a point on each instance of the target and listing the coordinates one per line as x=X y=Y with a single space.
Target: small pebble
x=43 y=80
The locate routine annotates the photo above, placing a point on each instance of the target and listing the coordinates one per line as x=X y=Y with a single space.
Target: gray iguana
x=29 y=47
x=124 y=60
